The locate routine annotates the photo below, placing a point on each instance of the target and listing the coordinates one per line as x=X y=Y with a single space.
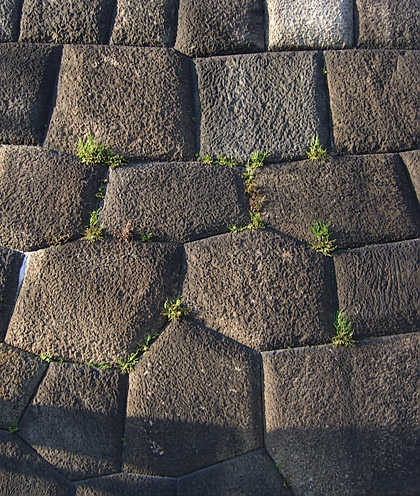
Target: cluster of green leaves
x=13 y=428
x=324 y=244
x=344 y=330
x=100 y=195
x=316 y=152
x=174 y=309
x=256 y=160
x=220 y=160
x=94 y=231
x=100 y=365
x=132 y=359
x=47 y=357
x=91 y=152
x=58 y=240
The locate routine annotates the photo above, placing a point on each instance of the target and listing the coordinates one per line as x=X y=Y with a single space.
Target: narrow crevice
x=34 y=392
x=328 y=104
x=410 y=182
x=111 y=23
x=266 y=25
x=19 y=15
x=54 y=94
x=175 y=21
x=355 y=24
x=196 y=104
x=264 y=418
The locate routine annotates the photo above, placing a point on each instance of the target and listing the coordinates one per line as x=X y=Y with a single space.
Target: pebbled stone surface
x=379 y=288
x=175 y=201
x=75 y=421
x=365 y=199
x=261 y=104
x=121 y=96
x=10 y=262
x=193 y=400
x=127 y=485
x=94 y=302
x=27 y=79
x=9 y=20
x=375 y=100
x=316 y=24
x=260 y=288
x=412 y=162
x=44 y=194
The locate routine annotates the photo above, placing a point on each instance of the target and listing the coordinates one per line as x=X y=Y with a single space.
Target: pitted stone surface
x=61 y=22
x=76 y=420
x=316 y=24
x=375 y=100
x=231 y=26
x=94 y=302
x=331 y=411
x=9 y=20
x=412 y=162
x=135 y=100
x=262 y=289
x=27 y=78
x=193 y=400
x=255 y=102
x=176 y=201
x=10 y=262
x=379 y=288
x=44 y=194
x=365 y=199
x=127 y=485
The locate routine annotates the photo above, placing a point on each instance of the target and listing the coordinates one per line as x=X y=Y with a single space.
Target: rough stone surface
x=316 y=24
x=27 y=78
x=412 y=162
x=375 y=100
x=135 y=100
x=10 y=262
x=146 y=23
x=331 y=411
x=94 y=302
x=9 y=20
x=193 y=400
x=365 y=199
x=66 y=22
x=231 y=26
x=127 y=485
x=176 y=201
x=255 y=103
x=379 y=288
x=44 y=194
x=260 y=288
x=388 y=24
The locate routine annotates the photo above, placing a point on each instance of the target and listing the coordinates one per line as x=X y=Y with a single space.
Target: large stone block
x=127 y=485
x=10 y=263
x=9 y=20
x=375 y=100
x=412 y=162
x=255 y=103
x=136 y=100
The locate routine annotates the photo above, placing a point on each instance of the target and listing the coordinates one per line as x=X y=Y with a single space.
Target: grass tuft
x=174 y=309
x=324 y=244
x=13 y=428
x=91 y=152
x=344 y=331
x=94 y=230
x=132 y=359
x=316 y=152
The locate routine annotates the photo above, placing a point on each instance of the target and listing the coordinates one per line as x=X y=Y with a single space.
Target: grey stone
x=316 y=24
x=412 y=162
x=262 y=289
x=94 y=302
x=44 y=194
x=255 y=103
x=9 y=20
x=27 y=78
x=126 y=485
x=60 y=22
x=193 y=400
x=175 y=201
x=135 y=100
x=10 y=262
x=365 y=199
x=345 y=421
x=379 y=288
x=76 y=420
x=375 y=100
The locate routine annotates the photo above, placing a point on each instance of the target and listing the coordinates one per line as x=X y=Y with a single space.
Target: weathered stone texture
x=412 y=162
x=193 y=400
x=10 y=262
x=136 y=100
x=9 y=20
x=127 y=485
x=375 y=100
x=255 y=103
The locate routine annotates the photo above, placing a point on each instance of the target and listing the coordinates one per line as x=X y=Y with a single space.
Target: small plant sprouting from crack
x=324 y=244
x=100 y=365
x=316 y=152
x=279 y=468
x=58 y=240
x=13 y=428
x=100 y=195
x=174 y=309
x=47 y=357
x=220 y=160
x=125 y=234
x=91 y=152
x=146 y=237
x=344 y=330
x=132 y=359
x=94 y=230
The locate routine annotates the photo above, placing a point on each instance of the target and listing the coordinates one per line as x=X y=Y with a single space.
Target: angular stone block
x=379 y=288
x=193 y=400
x=94 y=302
x=135 y=100
x=412 y=162
x=262 y=289
x=44 y=194
x=127 y=485
x=255 y=103
x=27 y=79
x=316 y=24
x=375 y=100
x=175 y=201
x=9 y=20
x=331 y=411
x=10 y=262
x=66 y=22
x=365 y=199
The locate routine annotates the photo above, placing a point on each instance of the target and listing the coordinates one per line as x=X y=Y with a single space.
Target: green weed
x=324 y=244
x=13 y=428
x=316 y=152
x=174 y=309
x=91 y=152
x=146 y=237
x=94 y=230
x=344 y=330
x=101 y=365
x=129 y=363
x=47 y=357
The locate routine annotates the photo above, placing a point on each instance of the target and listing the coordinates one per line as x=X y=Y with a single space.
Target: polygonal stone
x=127 y=485
x=136 y=100
x=412 y=162
x=94 y=302
x=27 y=78
x=364 y=199
x=255 y=103
x=218 y=27
x=262 y=289
x=379 y=288
x=148 y=23
x=76 y=420
x=193 y=400
x=66 y=22
x=10 y=262
x=9 y=20
x=44 y=195
x=330 y=411
x=388 y=24
x=315 y=24
x=175 y=201
x=375 y=100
